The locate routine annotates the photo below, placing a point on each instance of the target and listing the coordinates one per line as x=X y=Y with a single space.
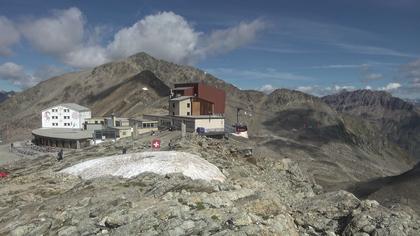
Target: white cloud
x=263 y=74
x=322 y=91
x=390 y=87
x=221 y=41
x=338 y=66
x=17 y=75
x=9 y=35
x=58 y=34
x=164 y=35
x=85 y=57
x=372 y=50
x=268 y=88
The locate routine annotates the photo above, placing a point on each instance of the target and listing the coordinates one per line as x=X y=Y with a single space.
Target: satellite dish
x=145 y=88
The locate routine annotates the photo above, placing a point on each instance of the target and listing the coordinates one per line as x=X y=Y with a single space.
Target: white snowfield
x=133 y=164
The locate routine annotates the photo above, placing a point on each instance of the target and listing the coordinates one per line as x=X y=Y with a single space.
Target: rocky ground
x=260 y=196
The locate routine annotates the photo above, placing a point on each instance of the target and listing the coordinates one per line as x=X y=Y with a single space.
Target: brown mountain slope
x=390 y=191
x=113 y=87
x=333 y=148
x=396 y=119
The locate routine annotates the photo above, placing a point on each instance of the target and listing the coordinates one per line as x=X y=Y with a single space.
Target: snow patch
x=133 y=164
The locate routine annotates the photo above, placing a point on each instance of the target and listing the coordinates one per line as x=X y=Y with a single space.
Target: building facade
x=196 y=99
x=66 y=115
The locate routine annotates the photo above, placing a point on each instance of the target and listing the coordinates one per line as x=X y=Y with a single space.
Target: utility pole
x=237 y=115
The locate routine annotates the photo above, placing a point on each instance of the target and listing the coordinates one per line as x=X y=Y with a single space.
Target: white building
x=66 y=115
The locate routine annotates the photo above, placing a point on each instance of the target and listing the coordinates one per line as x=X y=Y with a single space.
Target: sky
x=318 y=47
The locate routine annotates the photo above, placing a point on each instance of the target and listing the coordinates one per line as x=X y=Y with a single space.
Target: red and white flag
x=156 y=144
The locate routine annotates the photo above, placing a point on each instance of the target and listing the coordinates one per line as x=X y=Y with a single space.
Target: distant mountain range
x=415 y=102
x=5 y=95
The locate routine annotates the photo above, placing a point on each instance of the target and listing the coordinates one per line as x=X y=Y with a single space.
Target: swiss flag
x=156 y=144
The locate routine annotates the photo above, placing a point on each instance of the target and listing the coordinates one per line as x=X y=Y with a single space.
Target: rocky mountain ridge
x=398 y=120
x=261 y=195
x=336 y=148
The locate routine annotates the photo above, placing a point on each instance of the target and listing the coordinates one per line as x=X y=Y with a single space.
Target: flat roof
x=62 y=133
x=143 y=120
x=120 y=127
x=181 y=88
x=72 y=106
x=180 y=98
x=188 y=117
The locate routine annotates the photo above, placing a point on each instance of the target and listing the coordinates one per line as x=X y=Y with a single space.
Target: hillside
x=394 y=190
x=333 y=148
x=396 y=119
x=261 y=195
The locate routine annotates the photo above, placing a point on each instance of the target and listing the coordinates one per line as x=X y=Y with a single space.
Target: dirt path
x=6 y=156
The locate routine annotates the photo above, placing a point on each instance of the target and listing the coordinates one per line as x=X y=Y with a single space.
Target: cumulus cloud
x=267 y=88
x=164 y=35
x=322 y=91
x=9 y=35
x=58 y=34
x=390 y=87
x=17 y=75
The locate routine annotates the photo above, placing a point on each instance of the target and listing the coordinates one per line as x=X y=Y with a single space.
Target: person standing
x=124 y=150
x=60 y=155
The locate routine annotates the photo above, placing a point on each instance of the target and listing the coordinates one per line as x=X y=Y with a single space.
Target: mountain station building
x=199 y=106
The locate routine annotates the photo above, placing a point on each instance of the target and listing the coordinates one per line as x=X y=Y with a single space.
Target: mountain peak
x=366 y=98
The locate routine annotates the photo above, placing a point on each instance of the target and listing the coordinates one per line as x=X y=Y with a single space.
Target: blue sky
x=319 y=47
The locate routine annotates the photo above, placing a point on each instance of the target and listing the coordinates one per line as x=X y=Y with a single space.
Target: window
x=66 y=110
x=144 y=125
x=66 y=117
x=96 y=122
x=188 y=113
x=54 y=110
x=173 y=105
x=188 y=105
x=173 y=113
x=123 y=133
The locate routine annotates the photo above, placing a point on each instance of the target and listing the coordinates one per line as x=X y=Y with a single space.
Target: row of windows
x=188 y=105
x=56 y=110
x=65 y=117
x=148 y=125
x=56 y=124
x=188 y=113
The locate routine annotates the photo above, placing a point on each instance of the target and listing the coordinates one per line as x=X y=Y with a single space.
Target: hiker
x=60 y=155
x=11 y=147
x=124 y=150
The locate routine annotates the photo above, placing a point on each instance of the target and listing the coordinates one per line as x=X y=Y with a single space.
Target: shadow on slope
x=400 y=189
